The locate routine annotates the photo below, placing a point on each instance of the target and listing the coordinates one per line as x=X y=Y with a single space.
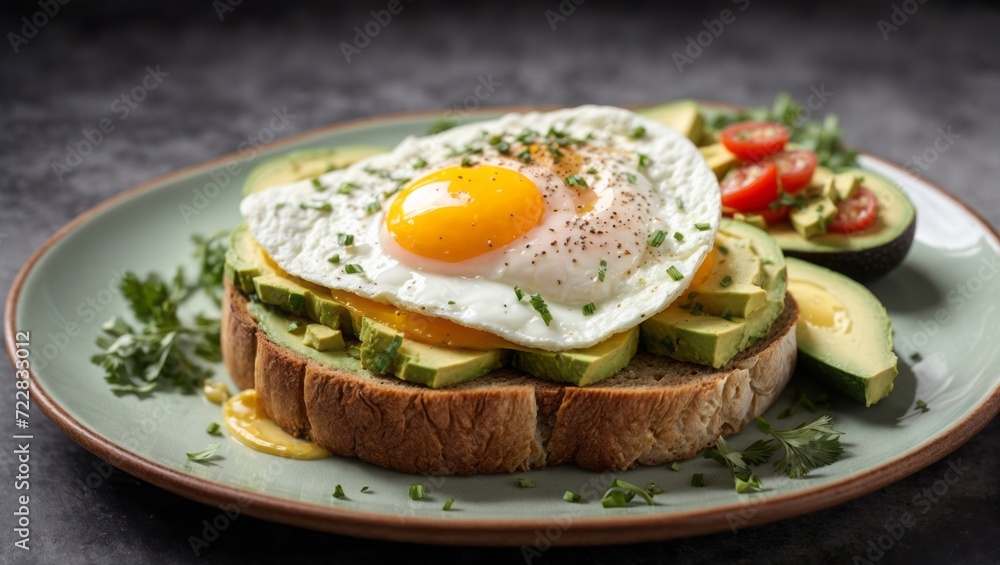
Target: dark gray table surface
x=939 y=69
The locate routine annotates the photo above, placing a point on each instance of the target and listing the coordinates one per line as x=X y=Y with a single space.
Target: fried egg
x=550 y=230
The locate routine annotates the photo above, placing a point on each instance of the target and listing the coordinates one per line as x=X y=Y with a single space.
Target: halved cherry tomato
x=752 y=141
x=795 y=168
x=855 y=214
x=750 y=187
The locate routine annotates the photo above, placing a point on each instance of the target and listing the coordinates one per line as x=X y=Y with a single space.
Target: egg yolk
x=459 y=213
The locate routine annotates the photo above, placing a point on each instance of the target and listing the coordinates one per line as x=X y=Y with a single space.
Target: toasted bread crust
x=654 y=411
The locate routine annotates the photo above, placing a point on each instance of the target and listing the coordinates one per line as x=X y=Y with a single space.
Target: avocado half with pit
x=865 y=255
x=844 y=333
x=305 y=164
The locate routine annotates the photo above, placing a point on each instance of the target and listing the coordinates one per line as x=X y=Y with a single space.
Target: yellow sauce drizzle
x=247 y=422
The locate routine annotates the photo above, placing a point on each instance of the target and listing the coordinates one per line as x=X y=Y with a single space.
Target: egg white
x=479 y=293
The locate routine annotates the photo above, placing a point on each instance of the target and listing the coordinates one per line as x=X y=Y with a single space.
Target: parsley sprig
x=160 y=352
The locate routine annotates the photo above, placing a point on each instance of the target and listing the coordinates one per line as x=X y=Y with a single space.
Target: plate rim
x=449 y=531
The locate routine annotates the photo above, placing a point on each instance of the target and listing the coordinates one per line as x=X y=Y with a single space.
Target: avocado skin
x=863 y=265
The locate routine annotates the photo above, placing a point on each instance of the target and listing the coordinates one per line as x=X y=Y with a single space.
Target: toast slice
x=655 y=411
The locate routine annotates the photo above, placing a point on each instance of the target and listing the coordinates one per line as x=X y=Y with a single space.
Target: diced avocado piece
x=275 y=324
x=844 y=333
x=243 y=260
x=682 y=115
x=705 y=340
x=581 y=367
x=820 y=184
x=861 y=255
x=812 y=219
x=844 y=185
x=322 y=338
x=694 y=336
x=305 y=164
x=281 y=292
x=383 y=350
x=734 y=287
x=755 y=220
x=329 y=313
x=719 y=159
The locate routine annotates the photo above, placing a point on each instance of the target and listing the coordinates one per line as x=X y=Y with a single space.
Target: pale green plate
x=943 y=300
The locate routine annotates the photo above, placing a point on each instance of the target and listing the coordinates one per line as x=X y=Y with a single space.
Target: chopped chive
x=524 y=156
x=417 y=492
x=723 y=249
x=373 y=207
x=503 y=148
x=653 y=488
x=293 y=326
x=644 y=161
x=922 y=406
x=319 y=207
x=353 y=269
x=318 y=186
x=280 y=205
x=364 y=489
x=420 y=163
x=631 y=178
x=658 y=237
x=526 y=483
x=204 y=454
x=602 y=270
x=345 y=239
x=675 y=273
x=448 y=503
x=335 y=258
x=675 y=467
x=698 y=480
x=917 y=357
x=297 y=301
x=678 y=236
x=383 y=359
x=589 y=309
x=576 y=180
x=347 y=187
x=213 y=429
x=638 y=132
x=338 y=492
x=726 y=281
x=680 y=203
x=702 y=226
x=467 y=161
x=592 y=171
x=518 y=293
x=727 y=315
x=692 y=296
x=569 y=496
x=543 y=310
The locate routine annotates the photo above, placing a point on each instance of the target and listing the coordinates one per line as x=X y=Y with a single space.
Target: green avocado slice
x=683 y=116
x=844 y=333
x=581 y=367
x=305 y=164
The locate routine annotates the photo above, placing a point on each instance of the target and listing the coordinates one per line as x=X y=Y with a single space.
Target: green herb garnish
x=353 y=269
x=726 y=281
x=318 y=186
x=644 y=161
x=364 y=489
x=800 y=398
x=631 y=178
x=675 y=467
x=318 y=206
x=338 y=492
x=602 y=270
x=680 y=203
x=698 y=480
x=335 y=258
x=420 y=163
x=654 y=489
x=570 y=496
x=524 y=156
x=543 y=310
x=347 y=187
x=373 y=207
x=922 y=406
x=741 y=463
x=917 y=357
x=450 y=302
x=417 y=492
x=345 y=239
x=589 y=309
x=638 y=132
x=448 y=503
x=444 y=123
x=678 y=236
x=657 y=239
x=722 y=249
x=806 y=446
x=576 y=180
x=592 y=171
x=214 y=429
x=621 y=493
x=467 y=162
x=211 y=255
x=518 y=293
x=675 y=273
x=703 y=226
x=205 y=454
x=525 y=483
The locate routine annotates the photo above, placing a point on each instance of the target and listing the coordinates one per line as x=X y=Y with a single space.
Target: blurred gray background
x=896 y=86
